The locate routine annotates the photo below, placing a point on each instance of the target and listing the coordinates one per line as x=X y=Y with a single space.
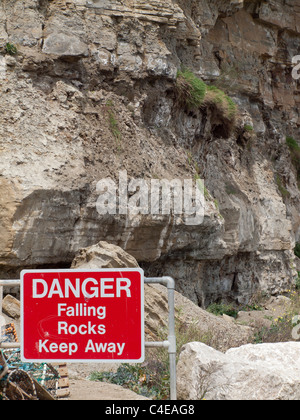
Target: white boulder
x=250 y=372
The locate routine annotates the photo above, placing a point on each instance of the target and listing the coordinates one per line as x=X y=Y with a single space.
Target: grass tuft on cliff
x=295 y=155
x=193 y=93
x=10 y=49
x=191 y=90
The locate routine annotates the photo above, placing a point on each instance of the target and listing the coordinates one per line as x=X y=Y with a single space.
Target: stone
x=11 y=306
x=250 y=372
x=65 y=45
x=103 y=255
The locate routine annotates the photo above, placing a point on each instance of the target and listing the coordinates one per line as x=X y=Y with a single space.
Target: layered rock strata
x=91 y=92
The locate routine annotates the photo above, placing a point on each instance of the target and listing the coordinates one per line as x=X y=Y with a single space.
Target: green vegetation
x=297 y=249
x=293 y=145
x=113 y=124
x=152 y=378
x=191 y=90
x=295 y=155
x=298 y=282
x=281 y=328
x=225 y=104
x=283 y=191
x=138 y=378
x=248 y=127
x=193 y=93
x=222 y=309
x=10 y=49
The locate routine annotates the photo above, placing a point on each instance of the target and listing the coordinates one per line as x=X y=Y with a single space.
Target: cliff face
x=91 y=92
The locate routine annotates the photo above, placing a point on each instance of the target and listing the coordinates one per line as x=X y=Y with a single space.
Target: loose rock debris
x=28 y=381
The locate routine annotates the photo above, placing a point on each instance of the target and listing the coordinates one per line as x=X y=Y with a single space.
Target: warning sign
x=81 y=316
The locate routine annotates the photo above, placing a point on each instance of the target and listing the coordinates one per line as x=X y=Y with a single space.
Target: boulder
x=103 y=255
x=11 y=306
x=250 y=372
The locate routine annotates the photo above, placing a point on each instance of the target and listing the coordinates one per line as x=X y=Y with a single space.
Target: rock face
x=251 y=372
x=91 y=92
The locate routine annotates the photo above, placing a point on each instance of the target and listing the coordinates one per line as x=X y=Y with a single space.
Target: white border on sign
x=106 y=270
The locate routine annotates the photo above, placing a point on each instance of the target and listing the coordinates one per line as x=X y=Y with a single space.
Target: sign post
x=82 y=315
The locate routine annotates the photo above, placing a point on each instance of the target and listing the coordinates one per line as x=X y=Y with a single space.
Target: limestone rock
x=103 y=255
x=64 y=45
x=11 y=306
x=250 y=372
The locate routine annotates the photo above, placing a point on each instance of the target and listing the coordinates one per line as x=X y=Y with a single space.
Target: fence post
x=1 y=298
x=172 y=337
x=171 y=343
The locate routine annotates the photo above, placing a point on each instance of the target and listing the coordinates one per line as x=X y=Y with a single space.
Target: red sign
x=75 y=315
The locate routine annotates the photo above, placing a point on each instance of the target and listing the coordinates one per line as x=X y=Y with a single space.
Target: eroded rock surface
x=91 y=92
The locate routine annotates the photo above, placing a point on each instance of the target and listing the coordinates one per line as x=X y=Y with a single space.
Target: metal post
x=10 y=283
x=1 y=298
x=172 y=338
x=171 y=343
x=10 y=345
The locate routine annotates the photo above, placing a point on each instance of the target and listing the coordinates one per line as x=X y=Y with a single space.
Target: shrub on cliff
x=10 y=49
x=193 y=93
